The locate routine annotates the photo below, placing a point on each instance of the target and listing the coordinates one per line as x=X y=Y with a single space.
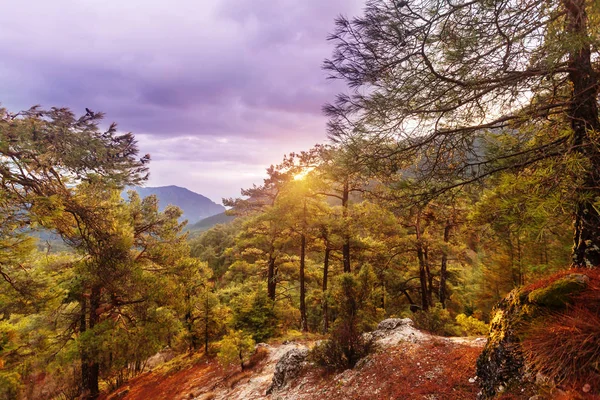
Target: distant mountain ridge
x=195 y=207
x=209 y=222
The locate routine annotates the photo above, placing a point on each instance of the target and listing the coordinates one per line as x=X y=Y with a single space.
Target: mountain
x=207 y=223
x=195 y=207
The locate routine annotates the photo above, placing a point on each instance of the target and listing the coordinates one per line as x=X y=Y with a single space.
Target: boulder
x=558 y=293
x=287 y=368
x=501 y=366
x=393 y=323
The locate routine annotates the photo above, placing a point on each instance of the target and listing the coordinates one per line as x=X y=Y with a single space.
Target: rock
x=501 y=363
x=159 y=358
x=501 y=366
x=287 y=368
x=558 y=293
x=393 y=323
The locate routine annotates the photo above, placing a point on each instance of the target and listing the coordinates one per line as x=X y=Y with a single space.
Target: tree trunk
x=410 y=300
x=583 y=114
x=85 y=369
x=189 y=322
x=444 y=267
x=346 y=245
x=206 y=318
x=271 y=283
x=303 y=321
x=429 y=277
x=422 y=264
x=90 y=369
x=325 y=277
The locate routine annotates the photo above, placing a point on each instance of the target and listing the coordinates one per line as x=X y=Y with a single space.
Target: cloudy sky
x=214 y=90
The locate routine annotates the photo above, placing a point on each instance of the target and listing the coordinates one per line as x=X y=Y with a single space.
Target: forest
x=462 y=164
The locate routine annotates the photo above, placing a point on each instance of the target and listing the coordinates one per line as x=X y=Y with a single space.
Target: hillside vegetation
x=461 y=181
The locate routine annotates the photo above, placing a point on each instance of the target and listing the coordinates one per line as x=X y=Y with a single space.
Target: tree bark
x=444 y=267
x=583 y=114
x=206 y=318
x=325 y=277
x=303 y=320
x=271 y=283
x=346 y=245
x=85 y=370
x=90 y=368
x=422 y=264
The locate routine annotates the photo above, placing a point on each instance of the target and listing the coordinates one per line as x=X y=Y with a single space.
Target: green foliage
x=356 y=314
x=471 y=326
x=10 y=385
x=436 y=320
x=214 y=246
x=235 y=348
x=254 y=313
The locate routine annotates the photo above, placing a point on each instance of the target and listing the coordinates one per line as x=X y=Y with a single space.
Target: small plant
x=436 y=320
x=471 y=326
x=342 y=351
x=235 y=347
x=347 y=344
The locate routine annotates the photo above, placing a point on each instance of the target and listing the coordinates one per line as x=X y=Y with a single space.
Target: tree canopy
x=429 y=78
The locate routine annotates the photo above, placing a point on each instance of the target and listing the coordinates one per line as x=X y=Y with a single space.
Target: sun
x=302 y=174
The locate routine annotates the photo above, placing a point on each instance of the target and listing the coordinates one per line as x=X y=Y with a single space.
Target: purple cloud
x=217 y=89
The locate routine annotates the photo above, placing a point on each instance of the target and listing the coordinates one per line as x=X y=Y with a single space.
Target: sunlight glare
x=301 y=175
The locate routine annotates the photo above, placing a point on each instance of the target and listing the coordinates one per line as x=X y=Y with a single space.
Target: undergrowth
x=565 y=346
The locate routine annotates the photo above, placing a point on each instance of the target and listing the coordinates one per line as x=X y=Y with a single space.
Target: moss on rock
x=501 y=366
x=559 y=293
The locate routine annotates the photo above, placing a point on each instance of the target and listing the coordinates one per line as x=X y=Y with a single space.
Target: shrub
x=342 y=351
x=235 y=347
x=471 y=326
x=10 y=384
x=254 y=313
x=356 y=311
x=436 y=320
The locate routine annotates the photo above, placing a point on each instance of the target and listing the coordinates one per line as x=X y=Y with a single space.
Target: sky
x=215 y=90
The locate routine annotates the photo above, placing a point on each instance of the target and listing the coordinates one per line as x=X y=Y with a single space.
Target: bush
x=471 y=326
x=436 y=320
x=235 y=347
x=342 y=351
x=254 y=313
x=356 y=312
x=10 y=385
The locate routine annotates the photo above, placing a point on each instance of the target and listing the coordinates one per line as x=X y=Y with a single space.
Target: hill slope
x=409 y=364
x=195 y=207
x=207 y=223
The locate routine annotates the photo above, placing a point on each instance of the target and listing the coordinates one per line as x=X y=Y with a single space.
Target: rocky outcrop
x=393 y=323
x=287 y=368
x=501 y=366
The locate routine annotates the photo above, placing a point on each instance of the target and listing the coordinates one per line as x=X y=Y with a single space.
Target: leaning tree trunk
x=583 y=114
